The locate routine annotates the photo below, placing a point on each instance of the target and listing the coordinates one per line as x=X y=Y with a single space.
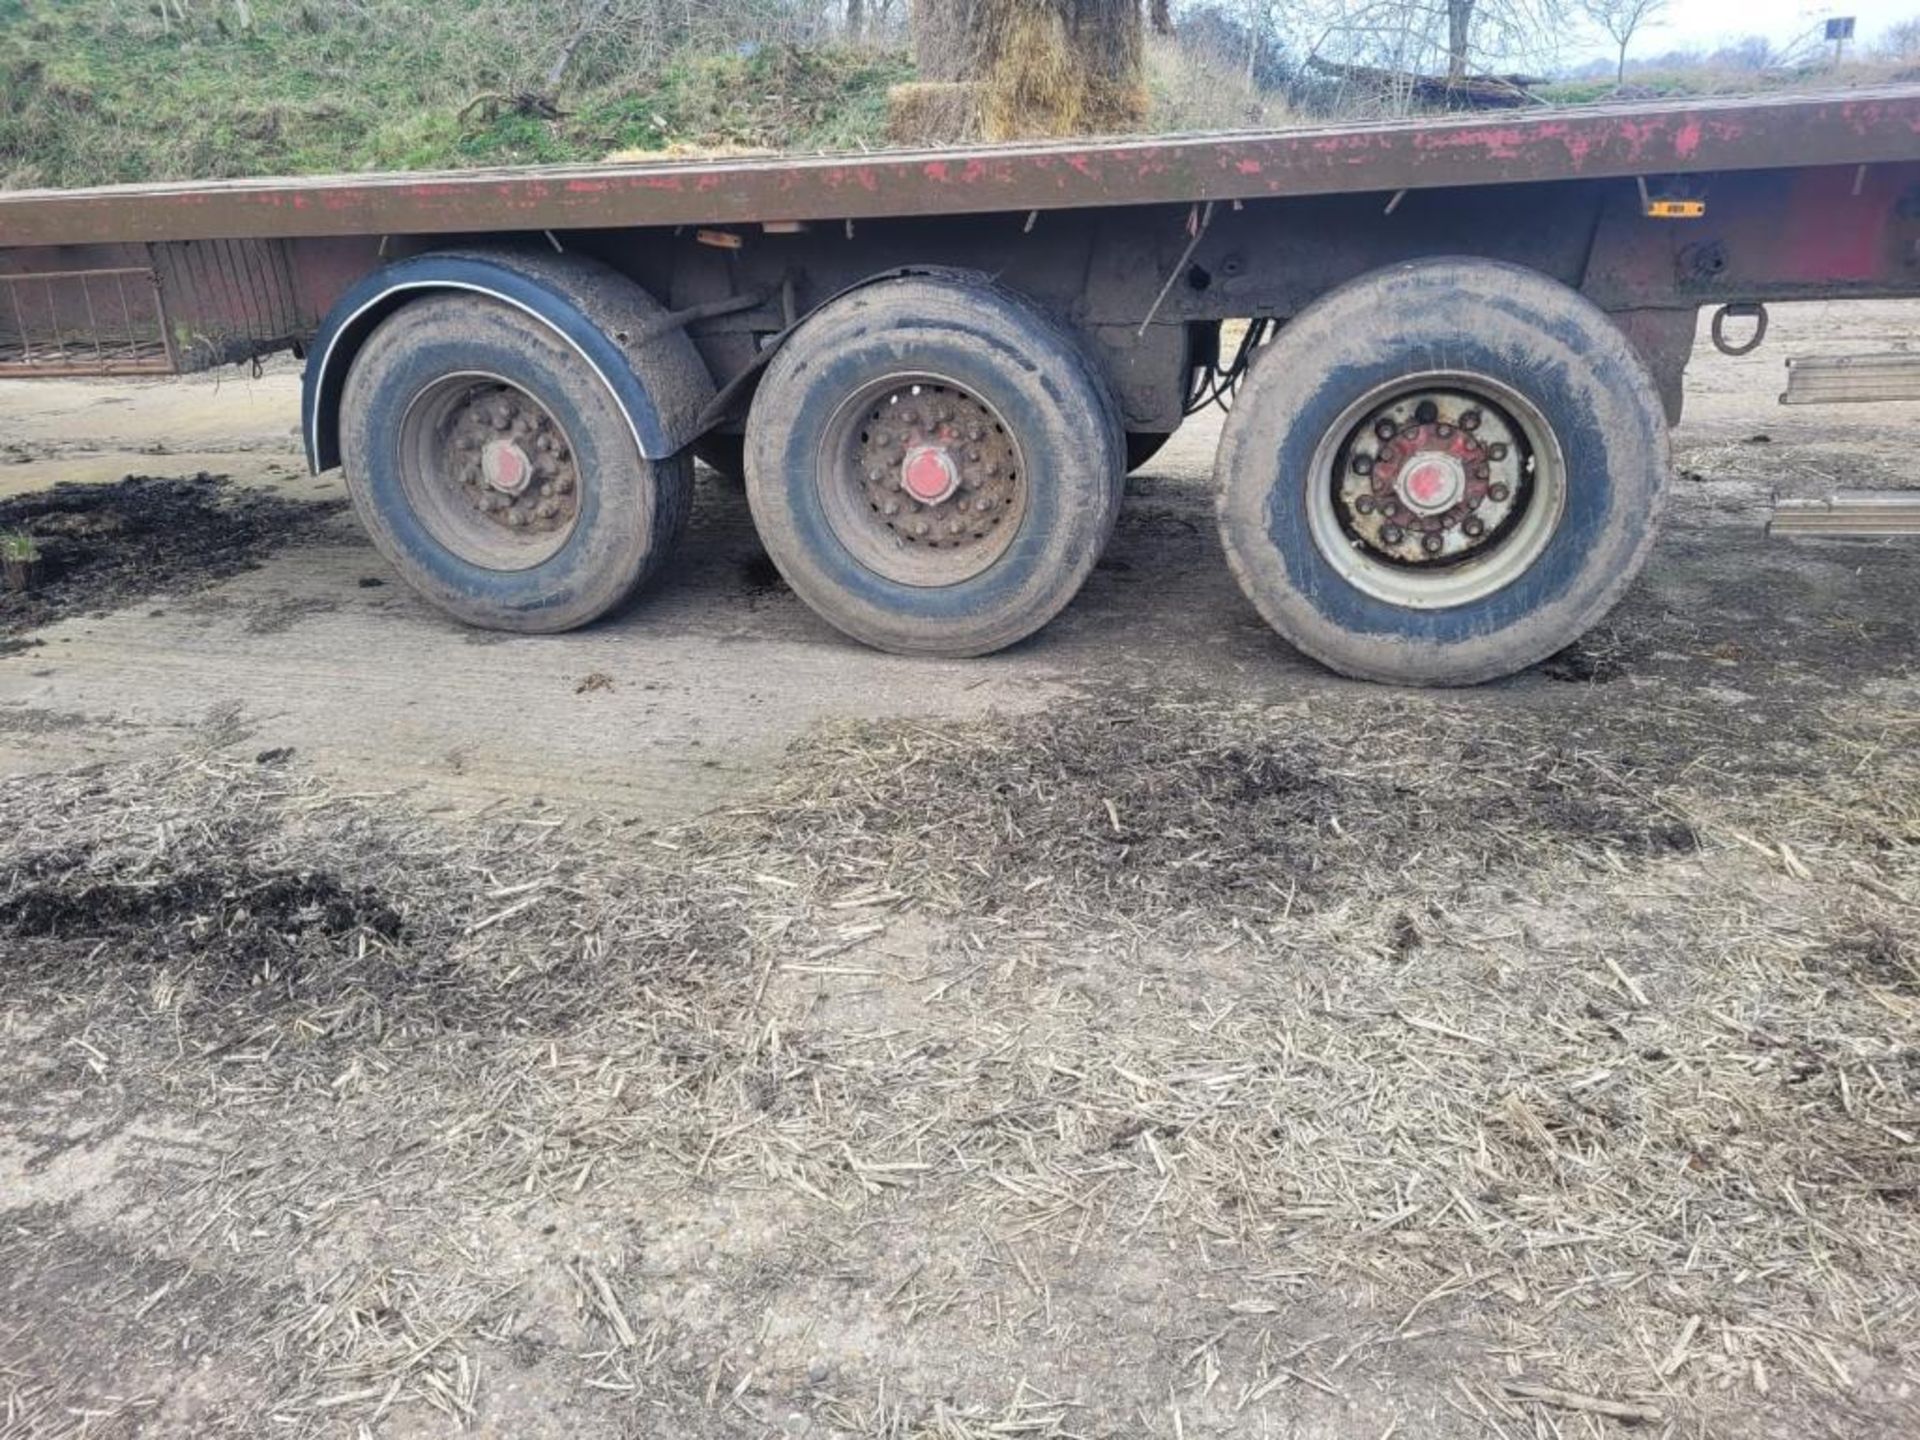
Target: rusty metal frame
x=1859 y=128
x=146 y=349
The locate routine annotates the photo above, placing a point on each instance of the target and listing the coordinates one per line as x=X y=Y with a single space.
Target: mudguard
x=647 y=363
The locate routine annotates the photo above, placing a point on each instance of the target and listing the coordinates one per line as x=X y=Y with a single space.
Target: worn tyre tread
x=1552 y=334
x=916 y=315
x=640 y=506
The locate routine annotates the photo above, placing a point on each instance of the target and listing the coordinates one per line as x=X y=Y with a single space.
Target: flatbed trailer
x=1446 y=450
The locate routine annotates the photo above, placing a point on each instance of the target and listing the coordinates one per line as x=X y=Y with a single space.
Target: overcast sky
x=1692 y=24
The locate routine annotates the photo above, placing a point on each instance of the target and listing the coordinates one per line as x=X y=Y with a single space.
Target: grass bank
x=97 y=93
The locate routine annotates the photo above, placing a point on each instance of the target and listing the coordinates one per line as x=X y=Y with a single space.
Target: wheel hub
x=1432 y=478
x=510 y=463
x=937 y=470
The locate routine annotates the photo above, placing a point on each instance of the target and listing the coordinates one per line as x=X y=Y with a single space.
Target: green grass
x=103 y=91
x=97 y=92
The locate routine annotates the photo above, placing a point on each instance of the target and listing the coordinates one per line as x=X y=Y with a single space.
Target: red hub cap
x=1432 y=484
x=929 y=475
x=506 y=467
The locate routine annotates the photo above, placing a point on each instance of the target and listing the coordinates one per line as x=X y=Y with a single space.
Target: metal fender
x=641 y=355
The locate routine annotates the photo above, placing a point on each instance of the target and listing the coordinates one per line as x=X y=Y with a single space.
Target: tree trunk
x=856 y=18
x=1621 y=78
x=943 y=38
x=1459 y=31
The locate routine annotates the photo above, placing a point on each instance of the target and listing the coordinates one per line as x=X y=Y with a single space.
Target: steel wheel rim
x=922 y=480
x=1436 y=490
x=490 y=473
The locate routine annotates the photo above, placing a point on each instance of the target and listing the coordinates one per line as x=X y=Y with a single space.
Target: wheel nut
x=1384 y=429
x=1391 y=534
x=1496 y=451
x=1364 y=504
x=1475 y=527
x=1497 y=493
x=1363 y=464
x=1431 y=544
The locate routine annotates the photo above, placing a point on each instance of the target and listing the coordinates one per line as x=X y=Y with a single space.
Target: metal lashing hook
x=1741 y=311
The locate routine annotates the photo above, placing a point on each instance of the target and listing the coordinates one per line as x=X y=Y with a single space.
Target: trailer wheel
x=934 y=466
x=1442 y=473
x=495 y=471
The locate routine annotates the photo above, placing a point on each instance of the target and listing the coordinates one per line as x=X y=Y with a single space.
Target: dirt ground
x=702 y=1027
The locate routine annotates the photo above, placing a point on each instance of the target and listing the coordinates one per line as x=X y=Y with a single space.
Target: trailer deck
x=1593 y=142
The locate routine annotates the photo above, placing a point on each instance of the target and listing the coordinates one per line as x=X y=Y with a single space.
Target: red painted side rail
x=1858 y=127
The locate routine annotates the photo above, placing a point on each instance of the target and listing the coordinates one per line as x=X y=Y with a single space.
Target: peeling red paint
x=1812 y=245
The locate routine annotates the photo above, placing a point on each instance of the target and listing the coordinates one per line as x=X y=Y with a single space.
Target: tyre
x=1442 y=473
x=1143 y=445
x=495 y=471
x=724 y=454
x=933 y=465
